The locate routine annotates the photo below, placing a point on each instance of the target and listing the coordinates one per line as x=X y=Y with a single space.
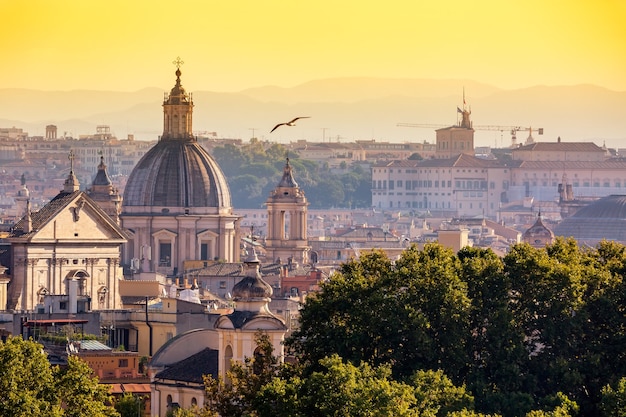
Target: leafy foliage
x=30 y=387
x=129 y=405
x=517 y=331
x=538 y=332
x=613 y=403
x=254 y=169
x=238 y=394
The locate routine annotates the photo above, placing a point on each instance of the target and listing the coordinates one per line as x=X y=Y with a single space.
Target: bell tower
x=105 y=194
x=287 y=221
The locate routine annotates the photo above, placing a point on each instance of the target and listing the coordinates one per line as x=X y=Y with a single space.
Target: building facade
x=69 y=248
x=465 y=185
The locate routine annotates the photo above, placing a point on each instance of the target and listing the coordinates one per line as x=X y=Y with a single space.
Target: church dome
x=177 y=172
x=602 y=219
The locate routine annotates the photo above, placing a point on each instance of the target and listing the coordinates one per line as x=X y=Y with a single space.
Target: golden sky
x=229 y=45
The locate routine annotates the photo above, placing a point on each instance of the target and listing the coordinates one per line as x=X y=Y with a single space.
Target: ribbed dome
x=537 y=230
x=610 y=207
x=177 y=173
x=602 y=219
x=251 y=288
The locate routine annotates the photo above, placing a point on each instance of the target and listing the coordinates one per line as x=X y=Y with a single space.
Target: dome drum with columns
x=177 y=203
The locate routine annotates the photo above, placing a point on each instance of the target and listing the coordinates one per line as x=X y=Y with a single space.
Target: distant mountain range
x=341 y=109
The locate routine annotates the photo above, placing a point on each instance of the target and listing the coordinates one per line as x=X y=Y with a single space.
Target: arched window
x=228 y=357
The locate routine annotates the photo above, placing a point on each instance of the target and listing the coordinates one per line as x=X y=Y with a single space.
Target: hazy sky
x=229 y=45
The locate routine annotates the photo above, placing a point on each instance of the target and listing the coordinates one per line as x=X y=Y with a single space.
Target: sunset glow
x=229 y=46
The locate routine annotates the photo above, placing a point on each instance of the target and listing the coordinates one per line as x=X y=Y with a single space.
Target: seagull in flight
x=290 y=123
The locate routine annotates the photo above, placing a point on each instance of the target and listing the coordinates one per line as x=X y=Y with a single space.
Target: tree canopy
x=516 y=330
x=29 y=386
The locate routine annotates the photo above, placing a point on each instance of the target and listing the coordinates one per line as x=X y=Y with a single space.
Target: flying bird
x=290 y=123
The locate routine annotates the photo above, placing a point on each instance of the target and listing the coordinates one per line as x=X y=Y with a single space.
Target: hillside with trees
x=254 y=169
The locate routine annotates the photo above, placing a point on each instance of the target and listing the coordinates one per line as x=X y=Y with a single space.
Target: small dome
x=538 y=230
x=250 y=288
x=102 y=176
x=287 y=180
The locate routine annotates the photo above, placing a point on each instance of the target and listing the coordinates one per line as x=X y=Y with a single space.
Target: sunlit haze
x=233 y=45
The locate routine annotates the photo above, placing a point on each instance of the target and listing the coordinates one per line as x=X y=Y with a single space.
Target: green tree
x=496 y=346
x=30 y=387
x=413 y=314
x=351 y=316
x=26 y=381
x=613 y=402
x=345 y=390
x=558 y=405
x=438 y=305
x=79 y=391
x=129 y=405
x=238 y=394
x=230 y=158
x=437 y=395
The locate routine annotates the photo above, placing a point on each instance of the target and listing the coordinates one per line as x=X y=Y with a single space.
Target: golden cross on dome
x=178 y=62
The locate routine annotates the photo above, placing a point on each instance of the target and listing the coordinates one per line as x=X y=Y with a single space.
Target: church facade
x=66 y=255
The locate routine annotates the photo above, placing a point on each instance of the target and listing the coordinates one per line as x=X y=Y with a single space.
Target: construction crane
x=511 y=129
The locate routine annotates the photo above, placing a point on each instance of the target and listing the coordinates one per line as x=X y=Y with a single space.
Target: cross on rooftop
x=71 y=157
x=178 y=62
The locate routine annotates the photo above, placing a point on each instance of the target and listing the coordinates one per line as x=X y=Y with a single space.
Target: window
x=204 y=251
x=165 y=254
x=122 y=363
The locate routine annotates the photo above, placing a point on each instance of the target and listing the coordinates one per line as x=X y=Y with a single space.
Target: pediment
x=80 y=219
x=164 y=234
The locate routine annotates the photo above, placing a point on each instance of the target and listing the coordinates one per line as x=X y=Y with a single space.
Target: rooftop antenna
x=324 y=129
